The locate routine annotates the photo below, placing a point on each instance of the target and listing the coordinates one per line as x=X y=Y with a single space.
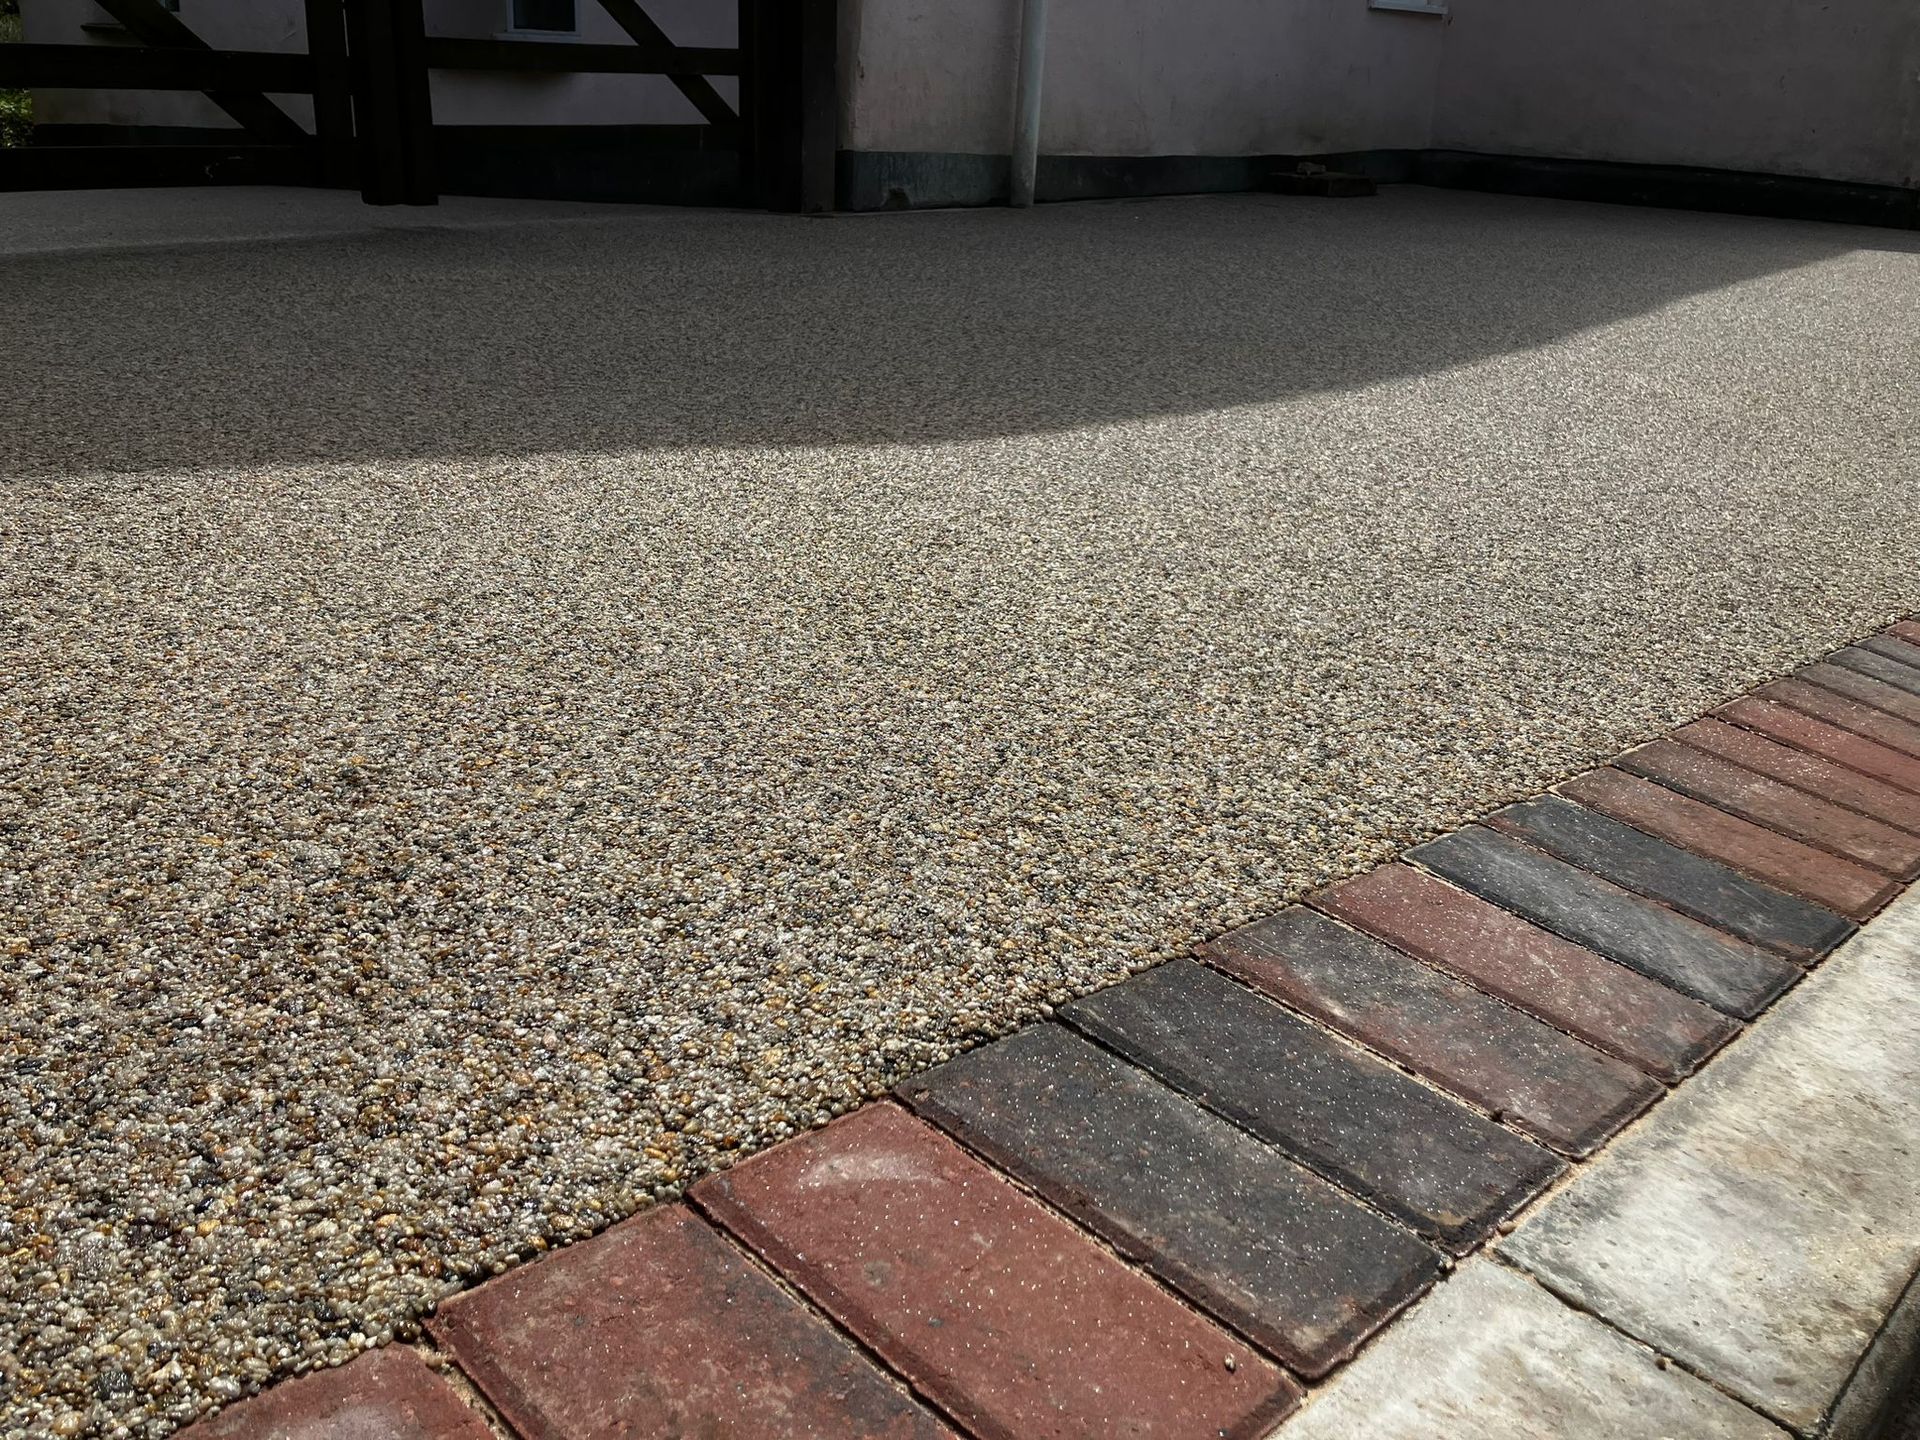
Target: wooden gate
x=367 y=66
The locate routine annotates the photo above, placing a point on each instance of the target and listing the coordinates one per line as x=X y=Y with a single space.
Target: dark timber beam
x=113 y=67
x=148 y=23
x=638 y=24
x=446 y=53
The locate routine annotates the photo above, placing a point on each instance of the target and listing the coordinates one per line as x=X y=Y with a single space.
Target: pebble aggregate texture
x=503 y=712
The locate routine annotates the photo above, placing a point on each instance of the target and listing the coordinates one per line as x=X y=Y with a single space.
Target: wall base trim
x=909 y=180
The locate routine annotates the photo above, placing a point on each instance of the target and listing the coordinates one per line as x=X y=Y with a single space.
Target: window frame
x=516 y=31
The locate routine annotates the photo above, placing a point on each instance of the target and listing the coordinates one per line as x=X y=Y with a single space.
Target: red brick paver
x=1806 y=771
x=389 y=1394
x=1611 y=1007
x=1797 y=868
x=1776 y=805
x=1833 y=742
x=1013 y=1320
x=661 y=1329
x=1907 y=630
x=1824 y=704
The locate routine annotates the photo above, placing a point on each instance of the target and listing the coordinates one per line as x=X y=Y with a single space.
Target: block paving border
x=1181 y=1202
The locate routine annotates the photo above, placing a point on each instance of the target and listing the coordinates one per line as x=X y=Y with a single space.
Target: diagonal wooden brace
x=637 y=23
x=150 y=24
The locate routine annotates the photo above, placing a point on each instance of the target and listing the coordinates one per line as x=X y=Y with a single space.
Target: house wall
x=1791 y=87
x=1140 y=77
x=1828 y=89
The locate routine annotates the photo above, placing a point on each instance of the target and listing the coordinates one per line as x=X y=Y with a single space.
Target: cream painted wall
x=1827 y=88
x=1140 y=77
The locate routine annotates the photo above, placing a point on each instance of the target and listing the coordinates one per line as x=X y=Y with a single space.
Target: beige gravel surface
x=496 y=717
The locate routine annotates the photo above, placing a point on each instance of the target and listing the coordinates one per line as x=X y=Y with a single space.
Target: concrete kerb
x=1750 y=1227
x=1553 y=1342
x=1882 y=1377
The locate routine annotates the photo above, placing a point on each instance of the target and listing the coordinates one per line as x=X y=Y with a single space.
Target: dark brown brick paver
x=1010 y=1318
x=1604 y=1003
x=1903 y=633
x=1286 y=1258
x=388 y=1394
x=1804 y=770
x=659 y=1329
x=1833 y=742
x=1799 y=869
x=1855 y=682
x=1426 y=1159
x=1777 y=806
x=1704 y=889
x=1885 y=658
x=1899 y=649
x=1500 y=1058
x=1835 y=709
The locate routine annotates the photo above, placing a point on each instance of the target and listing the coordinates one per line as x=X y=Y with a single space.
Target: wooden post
x=817 y=120
x=416 y=100
x=376 y=106
x=332 y=91
x=790 y=102
x=392 y=108
x=749 y=142
x=769 y=90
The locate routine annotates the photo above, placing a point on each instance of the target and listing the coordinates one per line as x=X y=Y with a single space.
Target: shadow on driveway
x=675 y=328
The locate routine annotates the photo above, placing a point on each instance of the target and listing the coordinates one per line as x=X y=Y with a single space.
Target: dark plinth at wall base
x=917 y=180
x=621 y=164
x=101 y=167
x=1676 y=187
x=908 y=180
x=914 y=180
x=700 y=165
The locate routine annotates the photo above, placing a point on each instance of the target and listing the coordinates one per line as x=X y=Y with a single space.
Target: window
x=542 y=17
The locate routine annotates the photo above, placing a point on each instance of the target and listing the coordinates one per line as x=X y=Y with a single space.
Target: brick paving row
x=1846 y=712
x=1766 y=801
x=1854 y=681
x=1679 y=879
x=1804 y=770
x=1761 y=851
x=1888 y=763
x=1589 y=996
x=1734 y=977
x=1894 y=648
x=1172 y=1209
x=1499 y=1059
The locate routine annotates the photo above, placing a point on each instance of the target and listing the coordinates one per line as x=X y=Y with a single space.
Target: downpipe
x=1026 y=102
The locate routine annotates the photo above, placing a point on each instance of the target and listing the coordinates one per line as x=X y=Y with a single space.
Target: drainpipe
x=1026 y=104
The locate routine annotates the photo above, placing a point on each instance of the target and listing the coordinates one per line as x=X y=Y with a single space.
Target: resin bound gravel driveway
x=501 y=709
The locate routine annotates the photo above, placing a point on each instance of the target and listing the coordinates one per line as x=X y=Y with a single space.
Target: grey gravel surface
x=495 y=720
